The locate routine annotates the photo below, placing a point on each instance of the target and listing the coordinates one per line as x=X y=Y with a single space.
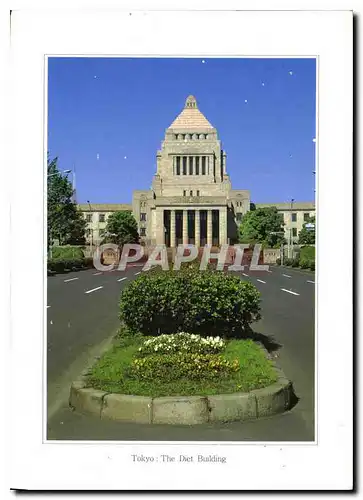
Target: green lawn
x=109 y=372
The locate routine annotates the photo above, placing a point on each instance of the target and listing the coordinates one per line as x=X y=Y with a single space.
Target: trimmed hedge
x=202 y=302
x=61 y=265
x=67 y=252
x=307 y=253
x=63 y=260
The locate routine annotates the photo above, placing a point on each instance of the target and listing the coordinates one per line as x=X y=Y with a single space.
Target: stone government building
x=191 y=199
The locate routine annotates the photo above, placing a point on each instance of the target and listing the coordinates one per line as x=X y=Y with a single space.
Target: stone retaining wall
x=183 y=410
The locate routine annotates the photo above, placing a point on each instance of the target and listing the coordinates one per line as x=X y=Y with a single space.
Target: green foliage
x=257 y=226
x=203 y=302
x=295 y=262
x=307 y=253
x=278 y=261
x=305 y=263
x=312 y=265
x=122 y=228
x=181 y=365
x=65 y=222
x=60 y=265
x=181 y=343
x=114 y=372
x=307 y=237
x=288 y=262
x=67 y=252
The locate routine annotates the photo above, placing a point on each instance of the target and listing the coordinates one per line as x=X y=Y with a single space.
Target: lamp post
x=290 y=252
x=281 y=247
x=91 y=229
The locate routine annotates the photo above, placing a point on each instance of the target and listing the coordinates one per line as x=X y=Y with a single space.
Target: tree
x=261 y=225
x=65 y=222
x=121 y=228
x=307 y=236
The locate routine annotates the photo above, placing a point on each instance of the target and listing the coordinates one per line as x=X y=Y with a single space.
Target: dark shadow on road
x=268 y=341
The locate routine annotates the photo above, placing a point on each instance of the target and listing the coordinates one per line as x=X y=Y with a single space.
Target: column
x=172 y=228
x=191 y=163
x=160 y=230
x=197 y=227
x=209 y=227
x=185 y=227
x=223 y=226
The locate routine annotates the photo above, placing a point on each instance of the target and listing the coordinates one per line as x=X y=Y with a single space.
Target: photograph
x=181 y=255
x=181 y=305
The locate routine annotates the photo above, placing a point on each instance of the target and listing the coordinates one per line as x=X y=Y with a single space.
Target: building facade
x=191 y=200
x=96 y=215
x=295 y=215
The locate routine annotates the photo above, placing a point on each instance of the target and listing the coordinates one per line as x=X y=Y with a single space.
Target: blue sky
x=101 y=110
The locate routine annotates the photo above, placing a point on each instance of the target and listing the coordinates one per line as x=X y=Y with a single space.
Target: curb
x=183 y=410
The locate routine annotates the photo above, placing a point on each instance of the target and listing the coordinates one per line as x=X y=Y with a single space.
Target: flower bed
x=186 y=365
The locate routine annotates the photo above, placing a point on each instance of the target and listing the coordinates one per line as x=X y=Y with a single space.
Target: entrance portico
x=192 y=225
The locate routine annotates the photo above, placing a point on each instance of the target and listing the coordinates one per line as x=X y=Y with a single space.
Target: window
x=306 y=217
x=191 y=193
x=142 y=231
x=178 y=165
x=203 y=165
x=197 y=165
x=184 y=193
x=184 y=165
x=293 y=217
x=239 y=217
x=143 y=216
x=89 y=217
x=294 y=231
x=198 y=192
x=102 y=217
x=190 y=165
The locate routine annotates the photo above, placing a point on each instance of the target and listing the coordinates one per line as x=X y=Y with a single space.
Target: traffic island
x=183 y=410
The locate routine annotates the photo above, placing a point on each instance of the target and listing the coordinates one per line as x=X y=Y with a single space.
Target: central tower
x=190 y=200
x=191 y=161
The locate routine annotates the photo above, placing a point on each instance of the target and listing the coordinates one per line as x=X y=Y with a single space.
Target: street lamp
x=91 y=229
x=282 y=245
x=290 y=232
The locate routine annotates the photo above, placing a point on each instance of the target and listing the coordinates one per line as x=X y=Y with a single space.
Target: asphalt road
x=82 y=314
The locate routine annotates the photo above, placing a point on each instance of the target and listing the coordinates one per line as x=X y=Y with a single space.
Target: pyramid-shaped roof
x=191 y=118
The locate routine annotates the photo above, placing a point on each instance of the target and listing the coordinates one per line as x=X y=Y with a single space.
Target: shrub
x=312 y=265
x=295 y=262
x=203 y=302
x=181 y=342
x=307 y=253
x=60 y=265
x=67 y=252
x=180 y=365
x=88 y=262
x=278 y=261
x=288 y=262
x=304 y=264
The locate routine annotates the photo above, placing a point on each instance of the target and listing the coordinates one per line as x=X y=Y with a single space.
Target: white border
x=326 y=34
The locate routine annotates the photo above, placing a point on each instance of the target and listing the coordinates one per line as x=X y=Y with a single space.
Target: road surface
x=82 y=314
